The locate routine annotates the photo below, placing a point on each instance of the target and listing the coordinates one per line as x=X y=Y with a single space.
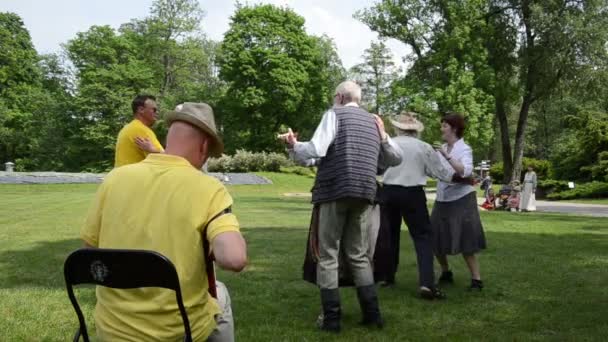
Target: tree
x=276 y=73
x=109 y=75
x=520 y=50
x=168 y=38
x=20 y=86
x=376 y=74
x=449 y=69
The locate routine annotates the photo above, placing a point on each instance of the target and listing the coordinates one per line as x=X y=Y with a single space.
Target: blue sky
x=54 y=22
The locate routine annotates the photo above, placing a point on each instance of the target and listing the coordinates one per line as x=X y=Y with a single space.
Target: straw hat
x=199 y=115
x=407 y=121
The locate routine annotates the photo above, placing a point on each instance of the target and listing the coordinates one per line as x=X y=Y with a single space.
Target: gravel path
x=597 y=210
x=72 y=178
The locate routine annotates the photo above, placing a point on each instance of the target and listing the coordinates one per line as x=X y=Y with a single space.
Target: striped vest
x=349 y=168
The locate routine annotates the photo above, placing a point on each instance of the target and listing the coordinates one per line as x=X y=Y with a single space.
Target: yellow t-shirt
x=161 y=204
x=127 y=151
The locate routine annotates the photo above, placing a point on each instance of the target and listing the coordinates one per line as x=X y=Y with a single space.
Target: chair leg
x=77 y=335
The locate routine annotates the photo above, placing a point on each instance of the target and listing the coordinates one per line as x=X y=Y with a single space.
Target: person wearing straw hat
x=166 y=204
x=404 y=198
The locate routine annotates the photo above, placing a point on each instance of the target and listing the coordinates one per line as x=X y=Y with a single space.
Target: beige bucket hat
x=199 y=115
x=407 y=121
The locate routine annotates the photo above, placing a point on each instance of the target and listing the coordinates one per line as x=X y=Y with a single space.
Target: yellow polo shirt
x=127 y=151
x=161 y=204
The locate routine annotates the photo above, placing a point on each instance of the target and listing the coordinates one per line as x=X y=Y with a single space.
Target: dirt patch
x=298 y=194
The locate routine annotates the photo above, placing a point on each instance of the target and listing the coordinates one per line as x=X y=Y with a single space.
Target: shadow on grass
x=38 y=266
x=527 y=276
x=539 y=286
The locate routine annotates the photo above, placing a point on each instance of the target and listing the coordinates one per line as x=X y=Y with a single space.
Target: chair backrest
x=121 y=269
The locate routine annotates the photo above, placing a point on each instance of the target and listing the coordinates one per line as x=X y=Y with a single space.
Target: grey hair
x=350 y=90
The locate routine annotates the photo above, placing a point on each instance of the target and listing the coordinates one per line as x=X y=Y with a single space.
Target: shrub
x=541 y=167
x=274 y=161
x=585 y=190
x=549 y=186
x=245 y=161
x=497 y=172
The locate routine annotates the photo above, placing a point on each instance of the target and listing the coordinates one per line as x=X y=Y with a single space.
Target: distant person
x=348 y=144
x=515 y=197
x=457 y=227
x=528 y=196
x=165 y=204
x=490 y=200
x=136 y=140
x=486 y=185
x=403 y=198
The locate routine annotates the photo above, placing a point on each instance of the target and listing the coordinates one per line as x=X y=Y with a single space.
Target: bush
x=586 y=190
x=244 y=161
x=541 y=167
x=549 y=186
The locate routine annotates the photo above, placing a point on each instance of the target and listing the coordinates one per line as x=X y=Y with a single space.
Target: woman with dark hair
x=455 y=218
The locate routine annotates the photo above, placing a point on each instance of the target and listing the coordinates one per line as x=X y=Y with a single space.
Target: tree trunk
x=505 y=141
x=522 y=123
x=530 y=85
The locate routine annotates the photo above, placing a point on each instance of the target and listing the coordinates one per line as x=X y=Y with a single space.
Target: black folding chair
x=121 y=269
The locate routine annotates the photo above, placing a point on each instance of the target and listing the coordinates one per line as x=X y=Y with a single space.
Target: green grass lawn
x=546 y=274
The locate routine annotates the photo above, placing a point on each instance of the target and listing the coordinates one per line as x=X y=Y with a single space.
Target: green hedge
x=586 y=190
x=244 y=161
x=541 y=167
x=549 y=186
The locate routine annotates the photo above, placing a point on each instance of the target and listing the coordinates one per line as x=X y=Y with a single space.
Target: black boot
x=330 y=320
x=368 y=299
x=447 y=277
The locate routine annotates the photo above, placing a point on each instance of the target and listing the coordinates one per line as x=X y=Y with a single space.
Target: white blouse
x=449 y=192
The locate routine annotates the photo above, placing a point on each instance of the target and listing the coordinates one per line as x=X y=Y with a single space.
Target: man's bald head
x=189 y=142
x=346 y=92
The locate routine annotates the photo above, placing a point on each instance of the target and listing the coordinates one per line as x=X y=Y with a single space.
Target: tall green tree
x=276 y=74
x=515 y=51
x=449 y=69
x=20 y=87
x=376 y=74
x=109 y=74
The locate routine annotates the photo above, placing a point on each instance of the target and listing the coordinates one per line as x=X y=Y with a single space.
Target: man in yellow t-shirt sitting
x=166 y=204
x=136 y=140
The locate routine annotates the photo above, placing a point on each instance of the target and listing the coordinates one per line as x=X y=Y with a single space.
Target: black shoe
x=387 y=283
x=431 y=293
x=476 y=285
x=330 y=319
x=446 y=278
x=368 y=299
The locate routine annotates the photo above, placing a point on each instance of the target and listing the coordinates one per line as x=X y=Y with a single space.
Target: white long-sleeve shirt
x=449 y=192
x=308 y=153
x=419 y=161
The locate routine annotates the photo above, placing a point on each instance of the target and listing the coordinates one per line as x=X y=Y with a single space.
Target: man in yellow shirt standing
x=136 y=140
x=166 y=204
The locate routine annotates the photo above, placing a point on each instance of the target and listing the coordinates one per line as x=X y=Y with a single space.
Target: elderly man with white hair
x=347 y=145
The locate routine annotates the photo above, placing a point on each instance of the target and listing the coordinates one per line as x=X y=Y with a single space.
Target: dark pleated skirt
x=457 y=227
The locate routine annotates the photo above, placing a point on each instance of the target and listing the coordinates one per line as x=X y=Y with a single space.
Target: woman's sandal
x=476 y=285
x=431 y=294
